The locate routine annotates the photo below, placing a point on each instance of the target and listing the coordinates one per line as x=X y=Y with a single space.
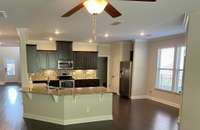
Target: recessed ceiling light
x=90 y=41
x=50 y=39
x=57 y=32
x=142 y=34
x=106 y=35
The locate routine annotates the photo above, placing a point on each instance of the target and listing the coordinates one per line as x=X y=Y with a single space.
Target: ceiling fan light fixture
x=95 y=6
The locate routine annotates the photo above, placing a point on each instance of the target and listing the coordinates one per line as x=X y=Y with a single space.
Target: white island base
x=68 y=109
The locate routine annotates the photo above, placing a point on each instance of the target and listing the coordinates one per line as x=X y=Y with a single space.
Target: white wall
x=190 y=113
x=163 y=96
x=70 y=109
x=84 y=46
x=43 y=44
x=139 y=78
x=10 y=53
x=115 y=63
x=104 y=50
x=46 y=45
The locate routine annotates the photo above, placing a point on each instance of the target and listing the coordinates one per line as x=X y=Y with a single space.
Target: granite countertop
x=42 y=89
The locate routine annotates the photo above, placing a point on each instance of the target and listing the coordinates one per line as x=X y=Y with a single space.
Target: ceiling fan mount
x=95 y=7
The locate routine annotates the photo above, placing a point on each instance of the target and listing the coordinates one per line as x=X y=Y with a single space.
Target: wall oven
x=66 y=81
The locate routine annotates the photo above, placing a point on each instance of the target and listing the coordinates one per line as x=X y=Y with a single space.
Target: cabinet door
x=64 y=50
x=92 y=60
x=85 y=60
x=76 y=61
x=32 y=59
x=52 y=60
x=60 y=52
x=42 y=56
x=78 y=58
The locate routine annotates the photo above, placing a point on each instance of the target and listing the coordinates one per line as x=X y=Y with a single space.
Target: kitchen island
x=68 y=105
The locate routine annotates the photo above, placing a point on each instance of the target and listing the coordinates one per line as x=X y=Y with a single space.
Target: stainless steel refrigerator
x=125 y=78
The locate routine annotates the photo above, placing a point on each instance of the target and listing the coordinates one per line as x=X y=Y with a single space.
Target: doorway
x=9 y=65
x=102 y=71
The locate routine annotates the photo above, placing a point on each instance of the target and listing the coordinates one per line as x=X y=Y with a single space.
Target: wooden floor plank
x=127 y=114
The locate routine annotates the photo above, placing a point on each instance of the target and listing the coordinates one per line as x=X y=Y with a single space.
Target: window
x=170 y=65
x=181 y=52
x=10 y=65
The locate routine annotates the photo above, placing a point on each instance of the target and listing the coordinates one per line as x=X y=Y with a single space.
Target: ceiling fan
x=95 y=7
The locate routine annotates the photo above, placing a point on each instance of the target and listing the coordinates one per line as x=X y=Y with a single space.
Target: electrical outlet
x=88 y=109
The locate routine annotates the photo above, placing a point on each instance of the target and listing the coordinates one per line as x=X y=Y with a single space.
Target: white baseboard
x=4 y=83
x=68 y=122
x=165 y=102
x=157 y=100
x=43 y=118
x=88 y=119
x=139 y=97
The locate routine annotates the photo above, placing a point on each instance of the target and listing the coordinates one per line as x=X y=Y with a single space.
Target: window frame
x=175 y=70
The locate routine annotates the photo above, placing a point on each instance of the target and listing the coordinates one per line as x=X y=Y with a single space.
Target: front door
x=9 y=65
x=10 y=70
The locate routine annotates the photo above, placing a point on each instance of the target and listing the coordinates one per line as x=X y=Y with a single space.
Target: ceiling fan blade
x=141 y=0
x=73 y=10
x=112 y=11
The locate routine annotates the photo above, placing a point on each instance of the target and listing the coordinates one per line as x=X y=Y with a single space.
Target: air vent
x=3 y=15
x=115 y=23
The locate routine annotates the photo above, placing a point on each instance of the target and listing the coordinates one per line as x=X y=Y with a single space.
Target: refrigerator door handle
x=122 y=73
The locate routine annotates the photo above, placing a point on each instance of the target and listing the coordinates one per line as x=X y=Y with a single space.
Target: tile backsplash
x=52 y=74
x=84 y=74
x=44 y=75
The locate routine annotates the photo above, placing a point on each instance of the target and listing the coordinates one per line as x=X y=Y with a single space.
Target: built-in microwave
x=65 y=64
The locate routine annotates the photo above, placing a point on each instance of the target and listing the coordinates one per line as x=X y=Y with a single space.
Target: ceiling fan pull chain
x=94 y=37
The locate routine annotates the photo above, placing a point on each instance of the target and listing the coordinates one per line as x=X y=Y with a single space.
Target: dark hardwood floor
x=127 y=114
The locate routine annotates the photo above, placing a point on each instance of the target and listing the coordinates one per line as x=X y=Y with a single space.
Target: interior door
x=10 y=71
x=102 y=70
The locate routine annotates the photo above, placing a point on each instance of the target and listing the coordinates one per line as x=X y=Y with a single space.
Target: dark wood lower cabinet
x=87 y=83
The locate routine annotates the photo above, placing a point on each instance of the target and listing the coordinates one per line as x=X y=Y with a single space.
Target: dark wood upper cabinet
x=85 y=60
x=64 y=50
x=42 y=57
x=32 y=61
x=52 y=58
x=47 y=59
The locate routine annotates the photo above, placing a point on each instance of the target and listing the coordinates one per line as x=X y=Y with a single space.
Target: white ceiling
x=42 y=17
